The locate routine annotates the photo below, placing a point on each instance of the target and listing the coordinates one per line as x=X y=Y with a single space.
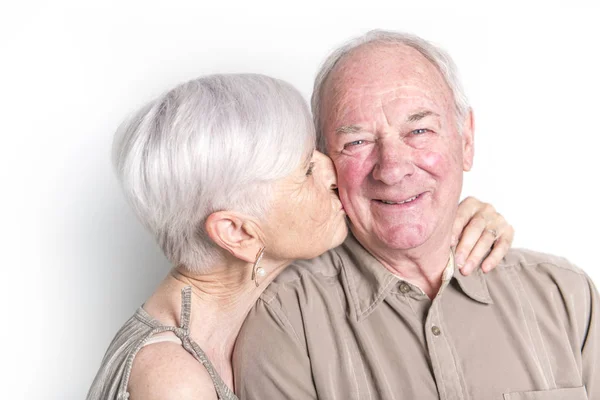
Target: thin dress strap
x=183 y=333
x=223 y=391
x=186 y=309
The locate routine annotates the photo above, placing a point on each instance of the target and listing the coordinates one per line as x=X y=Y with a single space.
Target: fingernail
x=460 y=260
x=468 y=267
x=453 y=239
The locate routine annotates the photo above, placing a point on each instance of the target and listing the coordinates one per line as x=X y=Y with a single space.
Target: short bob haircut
x=437 y=56
x=214 y=143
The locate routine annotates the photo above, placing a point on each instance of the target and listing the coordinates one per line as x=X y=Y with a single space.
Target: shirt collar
x=369 y=282
x=474 y=285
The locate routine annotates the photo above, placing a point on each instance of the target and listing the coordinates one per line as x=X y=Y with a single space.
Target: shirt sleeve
x=270 y=359
x=590 y=350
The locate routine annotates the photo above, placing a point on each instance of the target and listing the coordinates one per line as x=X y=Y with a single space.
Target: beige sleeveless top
x=112 y=378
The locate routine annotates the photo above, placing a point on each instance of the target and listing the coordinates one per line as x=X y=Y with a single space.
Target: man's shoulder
x=541 y=272
x=305 y=275
x=551 y=287
x=530 y=259
x=299 y=294
x=304 y=291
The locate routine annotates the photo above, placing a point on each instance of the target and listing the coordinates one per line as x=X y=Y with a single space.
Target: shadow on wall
x=122 y=267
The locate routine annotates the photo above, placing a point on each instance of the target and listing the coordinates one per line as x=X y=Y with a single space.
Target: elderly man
x=387 y=315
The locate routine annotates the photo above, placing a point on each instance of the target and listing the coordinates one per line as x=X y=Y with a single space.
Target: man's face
x=391 y=129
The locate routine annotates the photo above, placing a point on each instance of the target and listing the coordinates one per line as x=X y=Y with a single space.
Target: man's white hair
x=437 y=56
x=213 y=143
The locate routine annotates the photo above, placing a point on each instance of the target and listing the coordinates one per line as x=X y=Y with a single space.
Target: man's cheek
x=350 y=178
x=351 y=173
x=434 y=162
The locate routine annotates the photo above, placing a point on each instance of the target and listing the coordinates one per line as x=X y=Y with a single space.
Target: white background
x=75 y=261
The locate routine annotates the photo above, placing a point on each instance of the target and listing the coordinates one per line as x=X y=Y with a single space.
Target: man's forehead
x=389 y=82
x=378 y=60
x=384 y=71
x=396 y=101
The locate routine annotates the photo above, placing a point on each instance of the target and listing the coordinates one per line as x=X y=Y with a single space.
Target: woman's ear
x=237 y=233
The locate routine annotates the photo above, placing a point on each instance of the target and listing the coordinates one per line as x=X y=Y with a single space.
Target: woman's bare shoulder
x=167 y=371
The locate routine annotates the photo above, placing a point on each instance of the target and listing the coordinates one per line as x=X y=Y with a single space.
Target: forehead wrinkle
x=363 y=76
x=350 y=98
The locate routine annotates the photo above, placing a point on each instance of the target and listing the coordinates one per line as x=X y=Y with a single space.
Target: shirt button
x=436 y=331
x=404 y=288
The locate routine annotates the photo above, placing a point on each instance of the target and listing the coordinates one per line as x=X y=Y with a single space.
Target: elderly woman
x=223 y=171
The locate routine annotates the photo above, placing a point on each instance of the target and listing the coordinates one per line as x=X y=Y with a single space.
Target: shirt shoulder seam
x=278 y=311
x=570 y=268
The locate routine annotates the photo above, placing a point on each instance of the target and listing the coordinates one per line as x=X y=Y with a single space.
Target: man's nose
x=394 y=162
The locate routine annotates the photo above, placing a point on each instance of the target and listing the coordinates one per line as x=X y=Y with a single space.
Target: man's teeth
x=400 y=202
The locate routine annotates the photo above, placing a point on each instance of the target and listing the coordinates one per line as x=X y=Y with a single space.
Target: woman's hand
x=477 y=229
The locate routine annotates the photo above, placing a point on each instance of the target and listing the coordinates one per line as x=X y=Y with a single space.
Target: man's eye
x=309 y=171
x=419 y=131
x=354 y=143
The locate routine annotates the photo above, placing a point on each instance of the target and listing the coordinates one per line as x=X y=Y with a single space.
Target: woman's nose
x=328 y=170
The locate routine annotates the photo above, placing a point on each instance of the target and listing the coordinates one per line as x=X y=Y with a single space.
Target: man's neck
x=422 y=266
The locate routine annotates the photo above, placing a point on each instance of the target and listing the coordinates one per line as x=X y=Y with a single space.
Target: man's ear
x=237 y=233
x=468 y=141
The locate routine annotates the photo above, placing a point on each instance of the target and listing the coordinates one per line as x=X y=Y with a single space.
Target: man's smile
x=400 y=202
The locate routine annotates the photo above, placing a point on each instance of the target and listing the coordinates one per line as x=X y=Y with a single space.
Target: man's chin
x=403 y=238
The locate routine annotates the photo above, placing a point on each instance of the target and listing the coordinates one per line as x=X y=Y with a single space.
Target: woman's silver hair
x=437 y=56
x=214 y=143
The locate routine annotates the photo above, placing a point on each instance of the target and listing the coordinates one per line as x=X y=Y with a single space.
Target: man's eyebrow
x=420 y=115
x=348 y=129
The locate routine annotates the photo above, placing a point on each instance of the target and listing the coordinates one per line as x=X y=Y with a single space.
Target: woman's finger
x=469 y=239
x=482 y=247
x=501 y=247
x=466 y=210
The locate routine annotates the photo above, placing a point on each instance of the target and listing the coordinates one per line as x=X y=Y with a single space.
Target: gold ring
x=493 y=232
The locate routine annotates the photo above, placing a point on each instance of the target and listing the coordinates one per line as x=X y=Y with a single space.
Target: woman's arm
x=166 y=371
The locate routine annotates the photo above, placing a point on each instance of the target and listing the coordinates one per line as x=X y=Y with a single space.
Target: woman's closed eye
x=311 y=166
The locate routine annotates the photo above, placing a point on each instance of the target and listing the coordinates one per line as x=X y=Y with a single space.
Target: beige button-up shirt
x=343 y=327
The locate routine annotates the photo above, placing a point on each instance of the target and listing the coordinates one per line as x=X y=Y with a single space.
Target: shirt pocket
x=578 y=393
